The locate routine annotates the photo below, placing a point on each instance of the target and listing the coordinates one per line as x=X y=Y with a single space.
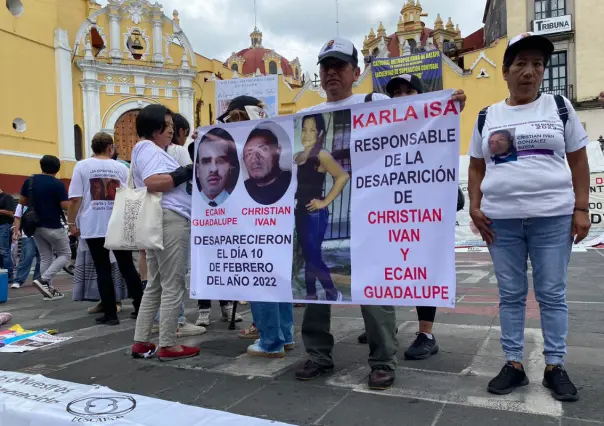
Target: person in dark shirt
x=7 y=210
x=48 y=199
x=267 y=182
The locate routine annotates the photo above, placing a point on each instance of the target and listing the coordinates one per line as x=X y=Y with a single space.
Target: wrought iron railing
x=567 y=91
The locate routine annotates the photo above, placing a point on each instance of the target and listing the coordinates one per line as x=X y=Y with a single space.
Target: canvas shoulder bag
x=136 y=220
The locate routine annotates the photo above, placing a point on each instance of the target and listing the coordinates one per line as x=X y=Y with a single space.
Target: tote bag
x=136 y=220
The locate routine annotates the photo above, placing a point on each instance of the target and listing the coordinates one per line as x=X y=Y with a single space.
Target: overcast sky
x=298 y=28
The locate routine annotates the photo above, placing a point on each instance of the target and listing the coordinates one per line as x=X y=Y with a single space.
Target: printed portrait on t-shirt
x=111 y=186
x=217 y=167
x=501 y=146
x=267 y=157
x=103 y=189
x=97 y=189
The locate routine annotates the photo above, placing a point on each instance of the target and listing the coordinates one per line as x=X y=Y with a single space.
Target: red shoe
x=143 y=350
x=168 y=355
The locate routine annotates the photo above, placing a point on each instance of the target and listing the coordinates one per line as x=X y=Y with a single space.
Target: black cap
x=239 y=103
x=410 y=79
x=527 y=41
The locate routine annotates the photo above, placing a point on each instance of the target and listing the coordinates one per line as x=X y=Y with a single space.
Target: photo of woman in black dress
x=312 y=213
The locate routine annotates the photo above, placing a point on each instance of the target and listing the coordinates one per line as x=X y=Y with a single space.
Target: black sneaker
x=311 y=370
x=508 y=379
x=558 y=382
x=107 y=320
x=43 y=287
x=363 y=338
x=381 y=377
x=422 y=348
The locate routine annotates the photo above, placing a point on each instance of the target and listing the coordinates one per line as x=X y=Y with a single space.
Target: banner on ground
x=264 y=88
x=339 y=206
x=37 y=400
x=467 y=236
x=425 y=65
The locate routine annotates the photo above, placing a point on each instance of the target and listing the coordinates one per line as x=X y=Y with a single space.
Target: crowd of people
x=525 y=204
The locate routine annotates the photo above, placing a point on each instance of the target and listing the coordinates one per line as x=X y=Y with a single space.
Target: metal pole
x=337 y=19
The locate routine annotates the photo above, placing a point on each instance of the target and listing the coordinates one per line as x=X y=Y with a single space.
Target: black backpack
x=30 y=221
x=562 y=113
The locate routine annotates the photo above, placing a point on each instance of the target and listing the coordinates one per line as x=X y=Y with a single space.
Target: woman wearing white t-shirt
x=154 y=168
x=92 y=193
x=529 y=197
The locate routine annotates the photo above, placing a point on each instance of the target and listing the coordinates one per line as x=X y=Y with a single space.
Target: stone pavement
x=447 y=389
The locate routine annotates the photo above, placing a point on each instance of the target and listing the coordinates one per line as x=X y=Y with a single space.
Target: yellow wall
x=31 y=90
x=589 y=40
x=517 y=16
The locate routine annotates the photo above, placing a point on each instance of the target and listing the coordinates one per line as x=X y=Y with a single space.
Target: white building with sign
x=576 y=69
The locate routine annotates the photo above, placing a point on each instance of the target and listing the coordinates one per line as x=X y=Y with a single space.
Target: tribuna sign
x=555 y=25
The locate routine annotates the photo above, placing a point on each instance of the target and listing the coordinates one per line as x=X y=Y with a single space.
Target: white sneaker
x=188 y=329
x=204 y=317
x=16 y=285
x=227 y=313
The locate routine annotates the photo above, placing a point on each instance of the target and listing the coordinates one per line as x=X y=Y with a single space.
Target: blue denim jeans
x=547 y=242
x=181 y=316
x=5 y=240
x=310 y=228
x=29 y=251
x=275 y=322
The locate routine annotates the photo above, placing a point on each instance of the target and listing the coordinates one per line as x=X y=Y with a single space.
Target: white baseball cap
x=526 y=41
x=339 y=48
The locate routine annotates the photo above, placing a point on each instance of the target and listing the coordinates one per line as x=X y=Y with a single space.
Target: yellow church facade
x=77 y=68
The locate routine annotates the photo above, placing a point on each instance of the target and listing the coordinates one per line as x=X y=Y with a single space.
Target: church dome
x=257 y=57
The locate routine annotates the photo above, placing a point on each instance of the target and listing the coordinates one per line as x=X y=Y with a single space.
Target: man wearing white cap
x=338 y=59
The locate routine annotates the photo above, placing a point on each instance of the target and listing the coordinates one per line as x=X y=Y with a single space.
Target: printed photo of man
x=268 y=181
x=501 y=145
x=217 y=168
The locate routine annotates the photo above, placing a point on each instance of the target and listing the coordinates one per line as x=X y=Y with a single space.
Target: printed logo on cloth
x=101 y=408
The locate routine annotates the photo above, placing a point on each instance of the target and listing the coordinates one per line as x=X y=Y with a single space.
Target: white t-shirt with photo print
x=96 y=181
x=525 y=148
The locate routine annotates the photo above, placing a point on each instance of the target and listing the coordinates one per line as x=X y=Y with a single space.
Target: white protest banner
x=264 y=88
x=404 y=197
x=37 y=400
x=467 y=236
x=339 y=206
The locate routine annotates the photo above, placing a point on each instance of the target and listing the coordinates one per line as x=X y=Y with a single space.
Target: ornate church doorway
x=125 y=136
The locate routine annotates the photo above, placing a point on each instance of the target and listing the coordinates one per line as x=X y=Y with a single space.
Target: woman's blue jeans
x=547 y=242
x=275 y=323
x=310 y=228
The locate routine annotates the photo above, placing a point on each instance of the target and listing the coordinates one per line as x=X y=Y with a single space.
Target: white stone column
x=158 y=57
x=186 y=96
x=114 y=35
x=64 y=96
x=92 y=113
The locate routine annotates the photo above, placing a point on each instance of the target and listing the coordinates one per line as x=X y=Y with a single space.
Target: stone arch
x=115 y=111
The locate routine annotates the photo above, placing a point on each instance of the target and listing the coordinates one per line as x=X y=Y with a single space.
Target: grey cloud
x=296 y=28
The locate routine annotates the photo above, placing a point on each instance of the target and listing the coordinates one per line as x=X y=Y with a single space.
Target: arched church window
x=15 y=7
x=77 y=142
x=297 y=74
x=272 y=67
x=235 y=67
x=375 y=53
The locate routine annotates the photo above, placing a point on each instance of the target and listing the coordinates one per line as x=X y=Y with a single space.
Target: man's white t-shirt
x=147 y=160
x=526 y=168
x=351 y=100
x=95 y=181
